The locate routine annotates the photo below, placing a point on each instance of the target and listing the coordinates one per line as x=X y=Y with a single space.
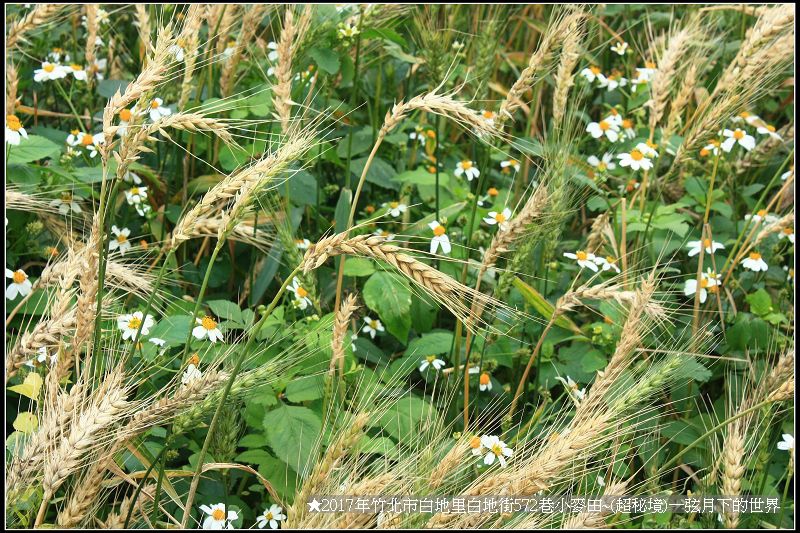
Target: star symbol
x=313 y=505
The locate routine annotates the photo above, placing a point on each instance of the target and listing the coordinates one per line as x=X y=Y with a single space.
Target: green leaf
x=108 y=88
x=173 y=329
x=419 y=176
x=30 y=387
x=760 y=302
x=543 y=307
x=380 y=172
x=292 y=433
x=326 y=58
x=430 y=344
x=404 y=419
x=226 y=310
x=342 y=212
x=389 y=295
x=358 y=267
x=305 y=388
x=31 y=149
x=362 y=142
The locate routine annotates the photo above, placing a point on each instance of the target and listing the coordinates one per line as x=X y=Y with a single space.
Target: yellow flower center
x=87 y=139
x=604 y=125
x=208 y=323
x=630 y=186
x=394 y=205
x=738 y=134
x=13 y=123
x=595 y=70
x=66 y=197
x=218 y=514
x=488 y=115
x=301 y=292
x=19 y=276
x=49 y=67
x=121 y=238
x=610 y=259
x=500 y=218
x=475 y=443
x=125 y=115
x=636 y=155
x=788 y=231
x=134 y=323
x=762 y=213
x=497 y=450
x=135 y=191
x=74 y=132
x=707 y=243
x=601 y=166
x=492 y=191
x=431 y=359
x=704 y=152
x=651 y=144
x=439 y=230
x=466 y=165
x=154 y=104
x=771 y=128
x=431 y=134
x=649 y=64
x=194 y=359
x=484 y=379
x=703 y=283
x=581 y=255
x=755 y=256
x=76 y=67
x=432 y=169
x=744 y=114
x=268 y=515
x=627 y=123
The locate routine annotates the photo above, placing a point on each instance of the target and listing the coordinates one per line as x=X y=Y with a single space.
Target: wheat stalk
x=250 y=22
x=340 y=326
x=36 y=18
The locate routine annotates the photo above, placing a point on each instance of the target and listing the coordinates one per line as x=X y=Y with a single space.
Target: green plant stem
x=187 y=511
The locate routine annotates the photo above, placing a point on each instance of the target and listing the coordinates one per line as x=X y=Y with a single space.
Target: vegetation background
x=257 y=252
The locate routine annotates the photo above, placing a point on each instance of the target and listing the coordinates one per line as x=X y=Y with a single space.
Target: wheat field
x=258 y=255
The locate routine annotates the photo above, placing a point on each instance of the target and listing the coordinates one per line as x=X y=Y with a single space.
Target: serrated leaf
x=305 y=389
x=389 y=295
x=292 y=433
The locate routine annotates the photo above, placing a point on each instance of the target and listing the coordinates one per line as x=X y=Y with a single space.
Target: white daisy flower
x=177 y=51
x=86 y=140
x=754 y=262
x=769 y=129
x=614 y=118
x=573 y=388
x=372 y=326
x=628 y=129
x=131 y=177
x=158 y=110
x=584 y=259
x=476 y=445
x=271 y=517
x=14 y=130
x=41 y=358
x=77 y=71
x=485 y=382
x=158 y=342
x=591 y=73
x=301 y=295
x=620 y=48
x=747 y=117
x=347 y=31
x=508 y=164
x=217 y=518
x=603 y=128
x=645 y=74
x=467 y=168
x=713 y=148
x=488 y=116
x=648 y=149
x=433 y=361
x=788 y=173
x=302 y=244
x=744 y=139
x=440 y=238
x=190 y=374
x=48 y=72
x=418 y=135
x=98 y=68
x=457 y=46
x=611 y=82
x=124 y=119
x=120 y=241
x=787 y=443
x=787 y=233
x=66 y=203
x=130 y=324
x=273 y=53
x=762 y=215
x=602 y=165
x=395 y=208
x=136 y=194
x=708 y=281
x=710 y=246
x=607 y=263
x=56 y=54
x=387 y=236
x=229 y=50
x=495 y=450
x=20 y=284
x=500 y=219
x=207 y=327
x=635 y=159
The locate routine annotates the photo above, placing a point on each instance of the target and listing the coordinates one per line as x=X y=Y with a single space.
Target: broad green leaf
x=380 y=172
x=406 y=417
x=26 y=422
x=226 y=310
x=358 y=267
x=292 y=433
x=305 y=388
x=31 y=149
x=326 y=58
x=30 y=387
x=389 y=295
